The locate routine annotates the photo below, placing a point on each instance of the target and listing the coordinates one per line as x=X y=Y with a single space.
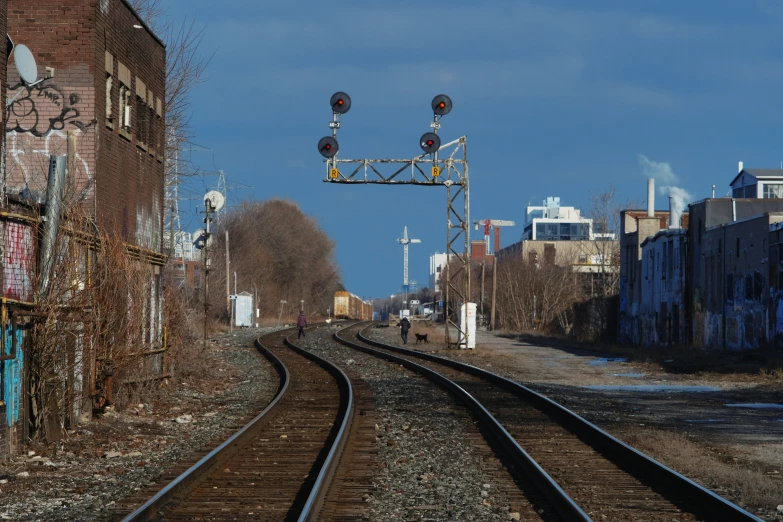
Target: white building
x=553 y=222
x=437 y=262
x=183 y=246
x=758 y=183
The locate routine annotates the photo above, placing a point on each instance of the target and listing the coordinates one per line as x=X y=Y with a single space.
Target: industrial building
x=712 y=279
x=100 y=105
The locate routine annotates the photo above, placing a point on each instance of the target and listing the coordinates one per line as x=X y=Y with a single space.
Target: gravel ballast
x=434 y=464
x=84 y=476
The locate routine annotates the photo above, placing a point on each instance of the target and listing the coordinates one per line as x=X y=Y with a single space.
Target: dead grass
x=744 y=482
x=764 y=364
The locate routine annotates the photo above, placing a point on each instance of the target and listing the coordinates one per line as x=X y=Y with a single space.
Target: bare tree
x=535 y=295
x=278 y=253
x=604 y=252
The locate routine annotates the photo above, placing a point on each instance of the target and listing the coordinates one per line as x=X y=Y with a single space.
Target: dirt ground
x=87 y=475
x=672 y=410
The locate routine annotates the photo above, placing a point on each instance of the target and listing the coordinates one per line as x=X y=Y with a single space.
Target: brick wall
x=130 y=162
x=60 y=35
x=118 y=174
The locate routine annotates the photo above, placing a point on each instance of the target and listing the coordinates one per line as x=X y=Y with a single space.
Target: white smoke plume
x=666 y=180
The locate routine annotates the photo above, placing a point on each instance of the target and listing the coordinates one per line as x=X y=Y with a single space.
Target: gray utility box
x=243 y=309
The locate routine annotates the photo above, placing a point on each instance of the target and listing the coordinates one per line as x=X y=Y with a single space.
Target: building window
x=142 y=127
x=125 y=108
x=109 y=68
x=124 y=116
x=109 y=115
x=773 y=190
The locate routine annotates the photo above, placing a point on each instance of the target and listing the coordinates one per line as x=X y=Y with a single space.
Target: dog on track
x=421 y=337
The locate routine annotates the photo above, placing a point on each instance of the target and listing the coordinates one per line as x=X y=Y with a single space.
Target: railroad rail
x=580 y=469
x=279 y=465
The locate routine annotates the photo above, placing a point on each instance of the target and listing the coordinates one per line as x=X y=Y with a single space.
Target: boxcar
x=350 y=306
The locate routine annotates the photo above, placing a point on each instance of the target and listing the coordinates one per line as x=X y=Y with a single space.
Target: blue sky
x=557 y=98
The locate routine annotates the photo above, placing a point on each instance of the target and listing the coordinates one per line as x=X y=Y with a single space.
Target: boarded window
x=109 y=68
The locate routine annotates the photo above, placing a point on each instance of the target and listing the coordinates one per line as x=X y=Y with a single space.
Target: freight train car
x=350 y=306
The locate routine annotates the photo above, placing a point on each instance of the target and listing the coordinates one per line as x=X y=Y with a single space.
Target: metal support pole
x=447 y=282
x=482 y=293
x=208 y=221
x=228 y=279
x=494 y=292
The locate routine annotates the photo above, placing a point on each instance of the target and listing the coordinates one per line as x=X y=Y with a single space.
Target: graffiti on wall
x=18 y=261
x=44 y=108
x=12 y=376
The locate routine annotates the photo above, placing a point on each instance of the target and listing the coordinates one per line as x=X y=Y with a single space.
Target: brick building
x=107 y=92
x=102 y=92
x=728 y=281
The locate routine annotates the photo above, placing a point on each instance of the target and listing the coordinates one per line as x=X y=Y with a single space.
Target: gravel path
x=434 y=464
x=84 y=476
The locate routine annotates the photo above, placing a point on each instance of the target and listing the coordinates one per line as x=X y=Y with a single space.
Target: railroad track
x=278 y=466
x=582 y=471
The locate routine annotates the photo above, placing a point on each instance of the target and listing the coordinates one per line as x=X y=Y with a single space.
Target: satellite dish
x=200 y=239
x=215 y=198
x=25 y=64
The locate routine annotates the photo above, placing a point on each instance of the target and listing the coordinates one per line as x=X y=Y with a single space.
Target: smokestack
x=713 y=192
x=740 y=167
x=651 y=197
x=674 y=218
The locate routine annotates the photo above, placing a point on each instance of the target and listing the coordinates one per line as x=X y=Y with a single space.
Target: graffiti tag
x=41 y=109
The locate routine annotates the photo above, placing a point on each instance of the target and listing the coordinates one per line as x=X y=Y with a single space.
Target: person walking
x=301 y=322
x=405 y=325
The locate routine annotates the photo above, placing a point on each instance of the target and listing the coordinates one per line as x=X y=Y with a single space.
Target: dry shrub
x=536 y=296
x=746 y=484
x=96 y=332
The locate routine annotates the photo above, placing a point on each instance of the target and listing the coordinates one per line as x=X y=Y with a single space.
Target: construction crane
x=488 y=225
x=404 y=241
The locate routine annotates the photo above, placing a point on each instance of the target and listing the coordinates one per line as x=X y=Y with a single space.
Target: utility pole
x=494 y=292
x=228 y=279
x=208 y=221
x=483 y=316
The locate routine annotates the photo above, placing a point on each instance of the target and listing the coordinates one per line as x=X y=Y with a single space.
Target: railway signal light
x=441 y=105
x=328 y=147
x=340 y=102
x=430 y=142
